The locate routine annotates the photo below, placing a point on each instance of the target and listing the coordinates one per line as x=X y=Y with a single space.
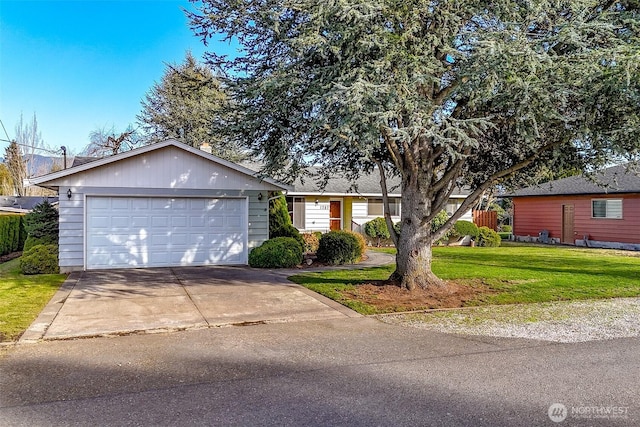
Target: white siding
x=168 y=168
x=317 y=214
x=71 y=238
x=359 y=209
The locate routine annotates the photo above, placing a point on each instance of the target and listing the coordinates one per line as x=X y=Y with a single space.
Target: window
x=606 y=208
x=375 y=207
x=296 y=208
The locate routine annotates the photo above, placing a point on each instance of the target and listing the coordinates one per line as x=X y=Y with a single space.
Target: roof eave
x=41 y=181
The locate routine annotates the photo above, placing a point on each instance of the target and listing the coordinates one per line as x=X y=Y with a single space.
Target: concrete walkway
x=116 y=302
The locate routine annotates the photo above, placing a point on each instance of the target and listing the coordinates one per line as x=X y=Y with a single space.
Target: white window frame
x=302 y=218
x=608 y=214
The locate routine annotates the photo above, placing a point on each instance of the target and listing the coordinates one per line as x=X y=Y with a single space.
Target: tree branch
x=385 y=203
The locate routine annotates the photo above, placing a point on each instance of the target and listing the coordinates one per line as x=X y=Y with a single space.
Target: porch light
x=260 y=196
x=69 y=194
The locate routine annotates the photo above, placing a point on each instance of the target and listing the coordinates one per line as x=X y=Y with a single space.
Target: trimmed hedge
x=339 y=247
x=488 y=237
x=12 y=233
x=40 y=259
x=281 y=252
x=465 y=228
x=377 y=229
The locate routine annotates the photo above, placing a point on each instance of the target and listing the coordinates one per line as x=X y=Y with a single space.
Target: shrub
x=42 y=221
x=377 y=229
x=507 y=229
x=280 y=252
x=488 y=237
x=362 y=243
x=40 y=259
x=280 y=222
x=465 y=228
x=339 y=247
x=35 y=241
x=12 y=233
x=398 y=227
x=439 y=220
x=311 y=242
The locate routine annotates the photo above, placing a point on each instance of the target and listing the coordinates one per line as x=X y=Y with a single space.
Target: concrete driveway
x=108 y=302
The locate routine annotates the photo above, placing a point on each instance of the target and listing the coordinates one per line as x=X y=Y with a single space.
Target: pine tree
x=188 y=105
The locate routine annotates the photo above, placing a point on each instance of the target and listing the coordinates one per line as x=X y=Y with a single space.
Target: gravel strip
x=564 y=321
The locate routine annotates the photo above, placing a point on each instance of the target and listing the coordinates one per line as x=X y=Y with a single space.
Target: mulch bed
x=9 y=257
x=389 y=297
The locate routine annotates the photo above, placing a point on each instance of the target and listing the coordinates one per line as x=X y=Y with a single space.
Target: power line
x=5 y=130
x=59 y=151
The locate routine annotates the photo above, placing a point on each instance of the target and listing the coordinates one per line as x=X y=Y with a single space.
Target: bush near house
x=40 y=259
x=41 y=247
x=506 y=228
x=42 y=221
x=362 y=243
x=280 y=222
x=280 y=252
x=311 y=242
x=377 y=229
x=465 y=228
x=488 y=237
x=12 y=233
x=339 y=247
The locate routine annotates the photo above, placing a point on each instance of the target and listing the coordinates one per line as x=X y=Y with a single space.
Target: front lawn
x=510 y=274
x=22 y=298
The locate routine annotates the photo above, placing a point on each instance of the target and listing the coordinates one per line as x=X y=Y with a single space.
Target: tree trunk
x=413 y=259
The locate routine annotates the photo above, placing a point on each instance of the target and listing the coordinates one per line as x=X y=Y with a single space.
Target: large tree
x=188 y=105
x=443 y=93
x=109 y=142
x=14 y=161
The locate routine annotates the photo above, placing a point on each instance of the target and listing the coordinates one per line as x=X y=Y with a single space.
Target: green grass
x=22 y=298
x=516 y=273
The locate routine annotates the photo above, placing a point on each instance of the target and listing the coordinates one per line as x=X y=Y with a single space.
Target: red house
x=603 y=211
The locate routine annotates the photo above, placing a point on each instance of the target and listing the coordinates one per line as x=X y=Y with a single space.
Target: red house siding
x=534 y=214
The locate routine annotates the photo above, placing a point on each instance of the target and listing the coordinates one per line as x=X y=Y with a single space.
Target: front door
x=335 y=215
x=568 y=235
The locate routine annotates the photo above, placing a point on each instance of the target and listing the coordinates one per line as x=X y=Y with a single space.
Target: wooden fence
x=486 y=219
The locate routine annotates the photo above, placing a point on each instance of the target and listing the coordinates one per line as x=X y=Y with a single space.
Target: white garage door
x=161 y=232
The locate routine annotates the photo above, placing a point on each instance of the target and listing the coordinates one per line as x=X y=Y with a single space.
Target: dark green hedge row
x=12 y=233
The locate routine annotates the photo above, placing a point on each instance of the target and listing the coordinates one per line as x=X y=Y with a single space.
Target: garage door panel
x=120 y=204
x=160 y=221
x=139 y=232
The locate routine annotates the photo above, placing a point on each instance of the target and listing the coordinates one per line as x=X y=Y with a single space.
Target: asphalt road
x=341 y=372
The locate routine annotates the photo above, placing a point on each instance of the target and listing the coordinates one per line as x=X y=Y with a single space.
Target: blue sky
x=83 y=65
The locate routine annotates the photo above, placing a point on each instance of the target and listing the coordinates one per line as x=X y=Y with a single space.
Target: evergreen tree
x=14 y=162
x=441 y=93
x=188 y=105
x=6 y=182
x=42 y=222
